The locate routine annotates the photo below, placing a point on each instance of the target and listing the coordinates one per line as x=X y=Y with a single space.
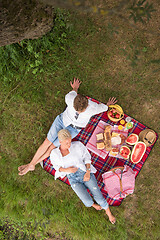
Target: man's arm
x=42 y=153
x=75 y=85
x=46 y=154
x=69 y=97
x=111 y=101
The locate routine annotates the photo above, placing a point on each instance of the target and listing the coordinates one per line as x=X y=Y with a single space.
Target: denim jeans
x=80 y=188
x=57 y=125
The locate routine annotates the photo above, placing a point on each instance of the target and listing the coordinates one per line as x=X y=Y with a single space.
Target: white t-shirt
x=83 y=118
x=78 y=156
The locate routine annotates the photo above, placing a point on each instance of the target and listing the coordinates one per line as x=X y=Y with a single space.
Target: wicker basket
x=119 y=110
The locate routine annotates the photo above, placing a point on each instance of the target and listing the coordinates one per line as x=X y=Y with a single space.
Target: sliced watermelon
x=138 y=152
x=125 y=152
x=132 y=139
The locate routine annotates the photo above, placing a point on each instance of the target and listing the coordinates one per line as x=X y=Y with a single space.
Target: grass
x=37 y=207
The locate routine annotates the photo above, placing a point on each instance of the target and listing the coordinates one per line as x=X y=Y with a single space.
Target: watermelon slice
x=125 y=152
x=132 y=139
x=138 y=152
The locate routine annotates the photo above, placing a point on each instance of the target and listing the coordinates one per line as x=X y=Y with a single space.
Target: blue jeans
x=57 y=125
x=80 y=188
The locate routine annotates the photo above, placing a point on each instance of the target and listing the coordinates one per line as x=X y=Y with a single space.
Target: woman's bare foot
x=25 y=168
x=112 y=219
x=97 y=207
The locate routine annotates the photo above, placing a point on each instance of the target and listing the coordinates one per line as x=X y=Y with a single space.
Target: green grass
x=35 y=205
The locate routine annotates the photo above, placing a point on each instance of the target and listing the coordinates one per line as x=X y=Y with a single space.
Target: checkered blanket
x=101 y=163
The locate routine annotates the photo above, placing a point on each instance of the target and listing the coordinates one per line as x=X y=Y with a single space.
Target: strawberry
x=117 y=115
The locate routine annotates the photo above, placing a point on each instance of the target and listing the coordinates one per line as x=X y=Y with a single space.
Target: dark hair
x=80 y=103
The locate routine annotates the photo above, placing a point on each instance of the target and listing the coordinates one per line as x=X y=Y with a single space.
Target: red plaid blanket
x=104 y=164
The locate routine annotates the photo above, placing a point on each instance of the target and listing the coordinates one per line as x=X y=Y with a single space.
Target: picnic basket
x=118 y=109
x=119 y=182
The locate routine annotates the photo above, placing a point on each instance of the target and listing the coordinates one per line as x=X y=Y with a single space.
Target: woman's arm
x=85 y=155
x=69 y=169
x=86 y=177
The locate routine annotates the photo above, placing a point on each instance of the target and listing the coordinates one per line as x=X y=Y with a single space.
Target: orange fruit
x=122 y=122
x=120 y=127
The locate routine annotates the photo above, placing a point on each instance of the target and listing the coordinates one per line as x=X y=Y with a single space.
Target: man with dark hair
x=80 y=103
x=75 y=117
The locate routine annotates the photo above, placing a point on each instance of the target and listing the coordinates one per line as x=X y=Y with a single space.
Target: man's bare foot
x=26 y=168
x=97 y=207
x=22 y=167
x=112 y=219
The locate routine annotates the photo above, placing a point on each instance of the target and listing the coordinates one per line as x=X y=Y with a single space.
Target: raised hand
x=111 y=101
x=76 y=83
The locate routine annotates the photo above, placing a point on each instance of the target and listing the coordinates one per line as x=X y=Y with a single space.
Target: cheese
x=116 y=140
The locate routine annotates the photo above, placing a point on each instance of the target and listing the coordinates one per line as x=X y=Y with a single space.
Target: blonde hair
x=64 y=134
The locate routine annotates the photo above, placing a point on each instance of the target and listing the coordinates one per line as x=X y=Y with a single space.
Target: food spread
x=116 y=143
x=110 y=140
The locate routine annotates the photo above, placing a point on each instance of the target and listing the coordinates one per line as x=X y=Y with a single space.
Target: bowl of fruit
x=115 y=113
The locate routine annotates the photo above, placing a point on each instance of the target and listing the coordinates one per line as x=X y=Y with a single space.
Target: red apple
x=110 y=114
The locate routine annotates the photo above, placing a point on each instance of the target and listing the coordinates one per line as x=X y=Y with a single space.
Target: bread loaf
x=99 y=136
x=100 y=145
x=107 y=138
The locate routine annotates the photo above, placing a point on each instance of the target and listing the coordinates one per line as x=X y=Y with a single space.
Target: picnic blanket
x=101 y=163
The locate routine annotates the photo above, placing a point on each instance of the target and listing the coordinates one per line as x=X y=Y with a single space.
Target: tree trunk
x=24 y=19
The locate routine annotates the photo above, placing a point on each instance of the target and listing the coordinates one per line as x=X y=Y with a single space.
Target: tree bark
x=24 y=19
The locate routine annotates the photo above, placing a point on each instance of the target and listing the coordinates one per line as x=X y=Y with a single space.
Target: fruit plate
x=115 y=113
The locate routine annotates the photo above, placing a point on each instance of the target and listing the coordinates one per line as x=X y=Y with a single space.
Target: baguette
x=107 y=138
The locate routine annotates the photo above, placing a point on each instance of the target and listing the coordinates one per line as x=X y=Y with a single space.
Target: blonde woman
x=73 y=160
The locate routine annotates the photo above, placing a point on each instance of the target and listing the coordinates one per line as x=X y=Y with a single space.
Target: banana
x=117 y=107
